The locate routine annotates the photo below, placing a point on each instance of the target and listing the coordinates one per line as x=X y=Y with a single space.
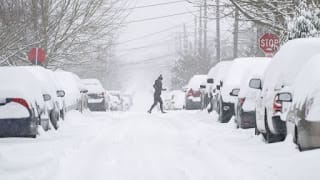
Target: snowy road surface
x=139 y=146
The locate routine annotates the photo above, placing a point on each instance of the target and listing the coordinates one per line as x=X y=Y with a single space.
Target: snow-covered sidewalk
x=135 y=146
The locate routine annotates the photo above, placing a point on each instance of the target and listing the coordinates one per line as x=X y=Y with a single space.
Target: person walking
x=157 y=94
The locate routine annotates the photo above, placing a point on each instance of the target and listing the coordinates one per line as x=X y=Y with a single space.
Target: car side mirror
x=218 y=87
x=61 y=93
x=255 y=84
x=202 y=86
x=285 y=97
x=83 y=91
x=46 y=97
x=234 y=92
x=210 y=81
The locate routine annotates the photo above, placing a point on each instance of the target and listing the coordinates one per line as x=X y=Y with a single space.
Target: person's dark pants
x=157 y=99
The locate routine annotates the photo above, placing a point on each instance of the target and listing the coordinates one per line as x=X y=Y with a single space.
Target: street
x=136 y=145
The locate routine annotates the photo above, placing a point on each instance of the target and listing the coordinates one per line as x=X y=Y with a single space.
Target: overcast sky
x=132 y=49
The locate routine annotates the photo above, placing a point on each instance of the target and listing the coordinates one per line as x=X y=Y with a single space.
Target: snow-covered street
x=132 y=145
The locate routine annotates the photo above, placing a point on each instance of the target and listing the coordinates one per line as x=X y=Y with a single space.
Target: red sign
x=37 y=55
x=269 y=43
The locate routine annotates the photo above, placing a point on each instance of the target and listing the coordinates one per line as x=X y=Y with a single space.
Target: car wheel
x=54 y=117
x=296 y=138
x=62 y=114
x=256 y=131
x=239 y=118
x=220 y=111
x=268 y=136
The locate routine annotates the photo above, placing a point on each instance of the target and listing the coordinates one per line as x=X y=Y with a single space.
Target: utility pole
x=185 y=39
x=200 y=31
x=205 y=29
x=236 y=33
x=218 y=30
x=195 y=34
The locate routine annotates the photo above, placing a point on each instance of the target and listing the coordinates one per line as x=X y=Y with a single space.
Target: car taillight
x=277 y=106
x=190 y=93
x=20 y=101
x=101 y=94
x=241 y=100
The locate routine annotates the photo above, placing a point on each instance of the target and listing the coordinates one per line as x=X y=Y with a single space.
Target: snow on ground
x=136 y=146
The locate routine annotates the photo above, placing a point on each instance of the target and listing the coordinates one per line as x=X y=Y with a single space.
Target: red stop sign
x=269 y=43
x=37 y=55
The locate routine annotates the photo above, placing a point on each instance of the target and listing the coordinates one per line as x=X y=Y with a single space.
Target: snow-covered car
x=215 y=76
x=115 y=103
x=245 y=115
x=48 y=81
x=96 y=95
x=127 y=101
x=176 y=100
x=22 y=103
x=75 y=92
x=230 y=87
x=281 y=73
x=303 y=119
x=116 y=100
x=193 y=96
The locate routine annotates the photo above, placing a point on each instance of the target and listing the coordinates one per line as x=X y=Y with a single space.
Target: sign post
x=269 y=43
x=37 y=55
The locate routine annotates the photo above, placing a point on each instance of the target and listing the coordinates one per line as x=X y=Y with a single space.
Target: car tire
x=62 y=114
x=54 y=117
x=268 y=136
x=296 y=139
x=239 y=121
x=256 y=130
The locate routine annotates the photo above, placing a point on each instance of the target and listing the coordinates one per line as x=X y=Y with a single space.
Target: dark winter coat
x=157 y=87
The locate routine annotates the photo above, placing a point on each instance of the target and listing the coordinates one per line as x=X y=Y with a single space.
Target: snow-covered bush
x=305 y=23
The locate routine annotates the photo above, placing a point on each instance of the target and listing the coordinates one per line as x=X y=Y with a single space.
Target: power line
x=155 y=18
x=153 y=5
x=149 y=35
x=146 y=46
x=150 y=60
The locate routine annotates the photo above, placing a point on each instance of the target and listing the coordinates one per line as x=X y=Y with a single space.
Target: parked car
x=193 y=96
x=281 y=73
x=75 y=92
x=127 y=101
x=48 y=81
x=215 y=76
x=22 y=103
x=116 y=101
x=303 y=119
x=230 y=87
x=174 y=100
x=96 y=95
x=245 y=115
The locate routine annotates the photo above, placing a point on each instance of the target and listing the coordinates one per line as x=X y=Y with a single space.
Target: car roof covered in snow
x=260 y=67
x=46 y=78
x=93 y=85
x=20 y=83
x=196 y=81
x=218 y=68
x=238 y=73
x=289 y=60
x=307 y=82
x=70 y=85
